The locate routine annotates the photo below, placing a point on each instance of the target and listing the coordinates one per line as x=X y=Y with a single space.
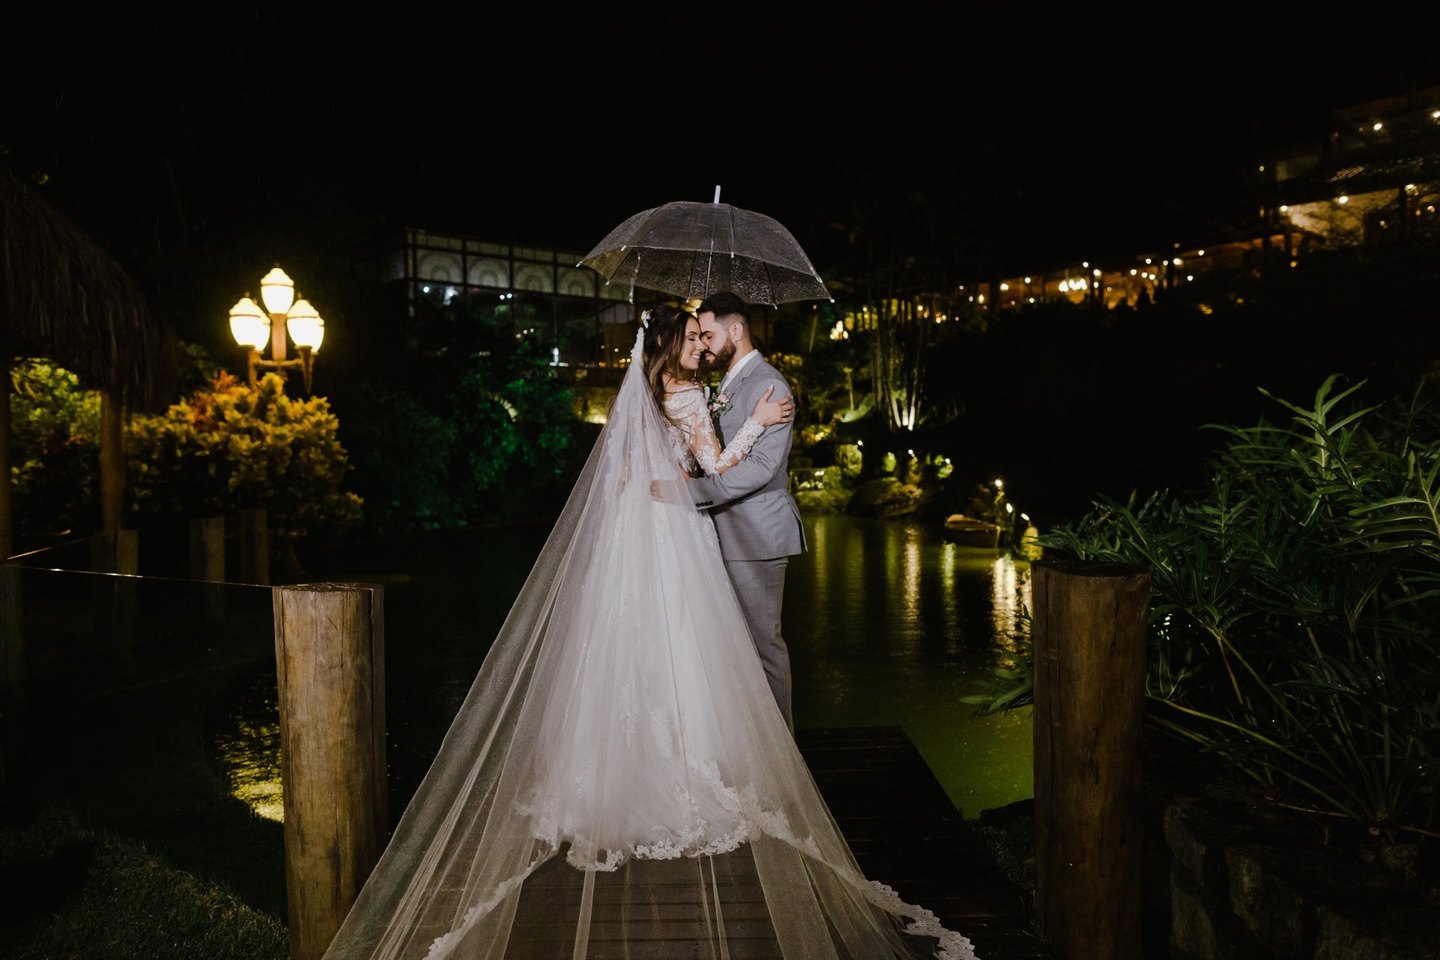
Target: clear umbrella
x=692 y=249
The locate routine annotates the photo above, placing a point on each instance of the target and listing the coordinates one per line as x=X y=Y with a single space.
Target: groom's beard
x=720 y=360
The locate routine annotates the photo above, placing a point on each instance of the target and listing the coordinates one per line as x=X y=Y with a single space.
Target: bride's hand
x=769 y=411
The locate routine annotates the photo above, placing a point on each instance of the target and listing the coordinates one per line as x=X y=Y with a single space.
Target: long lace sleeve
x=688 y=407
x=706 y=445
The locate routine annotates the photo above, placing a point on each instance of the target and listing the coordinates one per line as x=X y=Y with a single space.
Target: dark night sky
x=199 y=156
x=549 y=124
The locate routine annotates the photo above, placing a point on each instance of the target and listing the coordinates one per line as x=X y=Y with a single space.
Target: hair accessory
x=645 y=318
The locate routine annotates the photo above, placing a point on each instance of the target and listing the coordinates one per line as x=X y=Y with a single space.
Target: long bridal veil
x=619 y=781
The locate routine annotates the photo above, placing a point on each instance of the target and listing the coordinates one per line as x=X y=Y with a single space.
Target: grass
x=121 y=838
x=78 y=892
x=1009 y=832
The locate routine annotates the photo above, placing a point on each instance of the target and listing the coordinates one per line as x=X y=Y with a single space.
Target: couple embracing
x=621 y=780
x=756 y=519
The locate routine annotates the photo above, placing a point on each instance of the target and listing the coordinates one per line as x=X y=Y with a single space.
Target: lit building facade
x=1371 y=175
x=584 y=321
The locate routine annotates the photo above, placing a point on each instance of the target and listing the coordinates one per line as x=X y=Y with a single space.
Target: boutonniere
x=718 y=403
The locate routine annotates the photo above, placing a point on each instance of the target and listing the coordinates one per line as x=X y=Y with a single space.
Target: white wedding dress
x=619 y=782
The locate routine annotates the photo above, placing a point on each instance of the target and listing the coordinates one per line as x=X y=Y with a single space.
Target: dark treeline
x=1067 y=402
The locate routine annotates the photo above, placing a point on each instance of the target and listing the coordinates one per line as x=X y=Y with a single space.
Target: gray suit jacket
x=755 y=516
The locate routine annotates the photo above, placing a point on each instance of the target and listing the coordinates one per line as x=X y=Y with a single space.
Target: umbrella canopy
x=63 y=297
x=692 y=249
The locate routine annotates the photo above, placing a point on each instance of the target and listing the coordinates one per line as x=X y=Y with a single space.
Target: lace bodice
x=692 y=434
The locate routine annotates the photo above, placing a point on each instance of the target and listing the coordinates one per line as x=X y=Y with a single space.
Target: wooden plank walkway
x=906 y=833
x=897 y=819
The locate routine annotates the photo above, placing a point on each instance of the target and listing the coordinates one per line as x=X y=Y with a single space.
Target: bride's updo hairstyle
x=664 y=341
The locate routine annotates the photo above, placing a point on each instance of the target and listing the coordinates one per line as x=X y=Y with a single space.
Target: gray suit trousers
x=760 y=586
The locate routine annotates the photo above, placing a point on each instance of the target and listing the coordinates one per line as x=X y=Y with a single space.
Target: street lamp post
x=283 y=318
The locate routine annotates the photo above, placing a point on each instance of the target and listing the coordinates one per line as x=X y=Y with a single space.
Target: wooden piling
x=15 y=774
x=254 y=545
x=207 y=549
x=7 y=523
x=207 y=565
x=115 y=551
x=330 y=661
x=112 y=461
x=1089 y=628
x=116 y=599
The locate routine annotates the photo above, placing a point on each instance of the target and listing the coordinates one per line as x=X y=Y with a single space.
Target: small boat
x=971 y=531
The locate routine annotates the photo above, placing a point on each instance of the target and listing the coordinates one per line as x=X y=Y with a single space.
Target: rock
x=885 y=497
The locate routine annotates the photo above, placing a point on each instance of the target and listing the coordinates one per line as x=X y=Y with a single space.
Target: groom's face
x=715 y=338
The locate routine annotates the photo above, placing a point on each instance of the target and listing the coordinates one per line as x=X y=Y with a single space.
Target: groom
x=755 y=517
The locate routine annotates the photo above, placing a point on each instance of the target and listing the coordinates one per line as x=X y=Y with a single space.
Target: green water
x=889 y=624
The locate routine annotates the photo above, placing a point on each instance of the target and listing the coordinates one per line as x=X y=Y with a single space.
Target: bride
x=619 y=781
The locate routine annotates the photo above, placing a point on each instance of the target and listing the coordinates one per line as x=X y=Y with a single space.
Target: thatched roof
x=64 y=298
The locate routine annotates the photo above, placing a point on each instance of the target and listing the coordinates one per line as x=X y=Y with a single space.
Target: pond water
x=888 y=624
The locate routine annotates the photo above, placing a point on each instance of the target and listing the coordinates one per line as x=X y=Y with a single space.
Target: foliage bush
x=490 y=436
x=402 y=451
x=55 y=443
x=231 y=446
x=1295 y=602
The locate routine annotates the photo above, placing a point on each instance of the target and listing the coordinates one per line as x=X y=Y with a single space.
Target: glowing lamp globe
x=249 y=325
x=277 y=291
x=306 y=326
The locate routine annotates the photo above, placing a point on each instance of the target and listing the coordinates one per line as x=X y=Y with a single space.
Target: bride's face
x=691 y=348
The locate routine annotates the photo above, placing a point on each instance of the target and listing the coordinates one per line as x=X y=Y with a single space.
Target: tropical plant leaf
x=1295 y=601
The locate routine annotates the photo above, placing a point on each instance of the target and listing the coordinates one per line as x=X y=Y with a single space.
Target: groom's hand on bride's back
x=669 y=491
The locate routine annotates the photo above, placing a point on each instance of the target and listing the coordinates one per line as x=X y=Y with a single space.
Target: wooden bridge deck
x=899 y=822
x=906 y=833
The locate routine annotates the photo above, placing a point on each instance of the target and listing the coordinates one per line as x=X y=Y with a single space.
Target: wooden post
x=116 y=598
x=115 y=551
x=207 y=564
x=12 y=658
x=1089 y=627
x=7 y=523
x=14 y=701
x=330 y=660
x=112 y=460
x=207 y=549
x=254 y=545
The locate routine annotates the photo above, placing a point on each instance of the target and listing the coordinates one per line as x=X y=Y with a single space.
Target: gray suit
x=757 y=520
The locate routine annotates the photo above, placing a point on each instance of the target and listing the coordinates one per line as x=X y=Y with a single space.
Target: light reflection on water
x=888 y=624
x=247 y=747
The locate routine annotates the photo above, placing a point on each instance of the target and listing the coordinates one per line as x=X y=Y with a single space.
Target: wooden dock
x=900 y=824
x=906 y=833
